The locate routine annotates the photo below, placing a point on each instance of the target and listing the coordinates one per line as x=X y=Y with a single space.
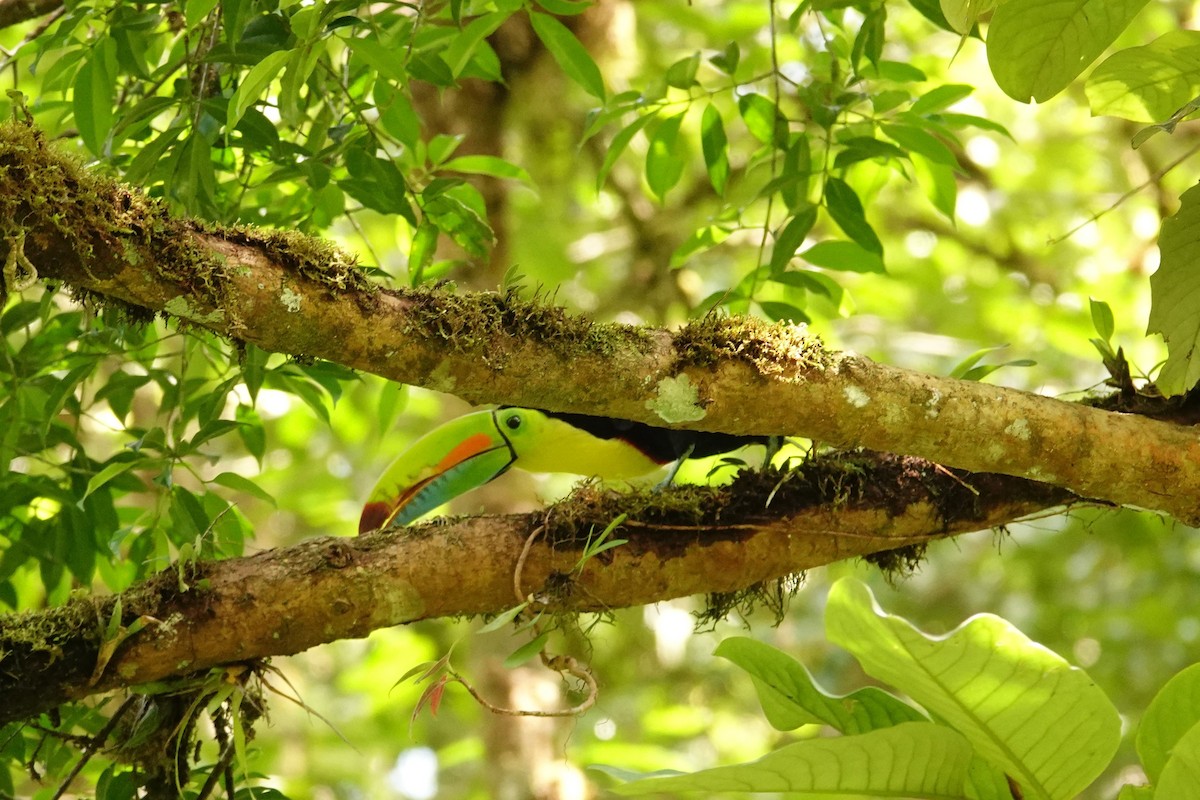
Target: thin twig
x=565 y=664
x=94 y=744
x=520 y=568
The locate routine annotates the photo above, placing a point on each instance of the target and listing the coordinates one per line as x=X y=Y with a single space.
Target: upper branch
x=287 y=293
x=13 y=12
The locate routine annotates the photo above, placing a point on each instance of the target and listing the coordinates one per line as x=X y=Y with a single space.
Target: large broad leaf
x=1172 y=713
x=791 y=698
x=1023 y=707
x=1036 y=47
x=1181 y=774
x=1175 y=295
x=1149 y=83
x=914 y=759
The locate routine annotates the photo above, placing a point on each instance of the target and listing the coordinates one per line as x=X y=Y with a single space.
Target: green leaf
x=932 y=11
x=397 y=115
x=565 y=8
x=504 y=618
x=1022 y=707
x=107 y=474
x=941 y=97
x=844 y=257
x=961 y=15
x=526 y=651
x=777 y=311
x=1148 y=83
x=618 y=145
x=571 y=56
x=1035 y=48
x=1166 y=126
x=914 y=759
x=919 y=140
x=95 y=95
x=763 y=119
x=796 y=174
x=682 y=74
x=715 y=146
x=791 y=698
x=381 y=57
x=488 y=165
x=847 y=211
x=791 y=237
x=462 y=47
x=1102 y=318
x=456 y=214
x=1181 y=774
x=421 y=252
x=253 y=84
x=861 y=148
x=700 y=240
x=1175 y=296
x=1173 y=712
x=728 y=59
x=378 y=184
x=940 y=184
x=664 y=162
x=196 y=10
x=239 y=483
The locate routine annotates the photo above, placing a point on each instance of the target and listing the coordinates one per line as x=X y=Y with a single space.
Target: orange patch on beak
x=471 y=446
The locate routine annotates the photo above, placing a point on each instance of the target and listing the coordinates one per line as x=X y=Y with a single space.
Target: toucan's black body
x=662 y=445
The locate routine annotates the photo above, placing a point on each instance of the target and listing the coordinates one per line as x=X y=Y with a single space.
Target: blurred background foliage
x=576 y=157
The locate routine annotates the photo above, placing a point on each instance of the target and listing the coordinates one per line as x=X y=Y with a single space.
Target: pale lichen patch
x=291 y=300
x=932 y=410
x=856 y=397
x=677 y=400
x=1018 y=428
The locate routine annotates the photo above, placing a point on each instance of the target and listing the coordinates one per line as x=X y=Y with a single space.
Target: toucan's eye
x=513 y=422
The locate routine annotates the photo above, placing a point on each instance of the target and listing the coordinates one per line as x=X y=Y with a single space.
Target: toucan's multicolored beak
x=449 y=460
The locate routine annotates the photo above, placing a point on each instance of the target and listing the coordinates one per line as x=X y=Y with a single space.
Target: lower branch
x=683 y=541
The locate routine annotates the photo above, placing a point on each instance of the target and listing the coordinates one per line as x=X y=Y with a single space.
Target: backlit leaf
x=913 y=759
x=1175 y=296
x=1148 y=83
x=1023 y=708
x=1035 y=48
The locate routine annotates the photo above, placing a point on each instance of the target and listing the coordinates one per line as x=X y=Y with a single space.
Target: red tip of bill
x=373 y=516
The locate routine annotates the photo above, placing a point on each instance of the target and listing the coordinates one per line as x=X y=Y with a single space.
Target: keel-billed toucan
x=470 y=451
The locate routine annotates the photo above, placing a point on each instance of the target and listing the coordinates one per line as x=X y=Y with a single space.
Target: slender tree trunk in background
x=480 y=112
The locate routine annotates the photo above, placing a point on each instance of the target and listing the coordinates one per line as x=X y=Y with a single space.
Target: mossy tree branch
x=290 y=294
x=683 y=541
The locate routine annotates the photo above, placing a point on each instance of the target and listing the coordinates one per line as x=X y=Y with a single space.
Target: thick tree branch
x=289 y=294
x=13 y=12
x=683 y=541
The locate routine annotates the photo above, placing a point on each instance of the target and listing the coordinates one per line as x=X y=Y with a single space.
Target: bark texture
x=286 y=293
x=13 y=12
x=683 y=541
